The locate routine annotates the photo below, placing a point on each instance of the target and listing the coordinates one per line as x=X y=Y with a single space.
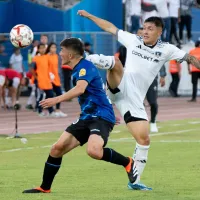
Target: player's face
x=66 y=56
x=151 y=33
x=53 y=48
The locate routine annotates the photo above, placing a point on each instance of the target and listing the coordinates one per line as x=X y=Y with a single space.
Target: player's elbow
x=80 y=89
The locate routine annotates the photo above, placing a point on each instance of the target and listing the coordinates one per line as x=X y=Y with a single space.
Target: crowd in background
x=176 y=15
x=44 y=76
x=59 y=4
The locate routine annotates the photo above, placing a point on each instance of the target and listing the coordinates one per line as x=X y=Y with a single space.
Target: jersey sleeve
x=125 y=37
x=176 y=53
x=86 y=73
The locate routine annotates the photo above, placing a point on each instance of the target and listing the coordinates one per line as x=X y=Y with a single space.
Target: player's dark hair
x=73 y=43
x=49 y=46
x=155 y=20
x=141 y=28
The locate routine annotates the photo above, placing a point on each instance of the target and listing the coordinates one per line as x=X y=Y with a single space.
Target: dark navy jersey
x=94 y=101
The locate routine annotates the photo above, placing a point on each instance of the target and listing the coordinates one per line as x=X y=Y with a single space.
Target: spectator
x=148 y=9
x=4 y=60
x=174 y=12
x=134 y=12
x=185 y=18
x=43 y=40
x=87 y=47
x=16 y=61
x=175 y=71
x=3 y=38
x=194 y=71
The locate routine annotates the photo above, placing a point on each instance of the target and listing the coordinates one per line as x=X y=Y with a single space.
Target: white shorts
x=128 y=99
x=16 y=82
x=2 y=80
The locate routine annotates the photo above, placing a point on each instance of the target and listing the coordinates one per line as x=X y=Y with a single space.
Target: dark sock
x=110 y=155
x=50 y=170
x=154 y=111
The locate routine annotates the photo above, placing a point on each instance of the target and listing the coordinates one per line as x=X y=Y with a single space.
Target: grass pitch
x=172 y=168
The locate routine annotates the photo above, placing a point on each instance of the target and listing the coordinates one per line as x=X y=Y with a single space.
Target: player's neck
x=151 y=45
x=74 y=62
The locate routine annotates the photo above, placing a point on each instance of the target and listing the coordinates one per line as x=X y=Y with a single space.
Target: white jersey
x=144 y=62
x=142 y=66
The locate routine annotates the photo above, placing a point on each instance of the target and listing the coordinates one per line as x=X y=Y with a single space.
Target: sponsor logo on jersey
x=158 y=54
x=82 y=72
x=144 y=57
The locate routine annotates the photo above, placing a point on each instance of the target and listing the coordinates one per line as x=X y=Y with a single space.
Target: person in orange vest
x=54 y=75
x=194 y=71
x=40 y=71
x=174 y=69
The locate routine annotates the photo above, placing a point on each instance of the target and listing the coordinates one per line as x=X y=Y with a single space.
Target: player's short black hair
x=141 y=28
x=73 y=43
x=156 y=20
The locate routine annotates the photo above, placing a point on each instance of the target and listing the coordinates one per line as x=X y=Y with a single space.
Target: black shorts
x=82 y=129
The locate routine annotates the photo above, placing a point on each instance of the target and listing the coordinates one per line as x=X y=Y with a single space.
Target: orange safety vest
x=173 y=66
x=53 y=68
x=196 y=53
x=42 y=70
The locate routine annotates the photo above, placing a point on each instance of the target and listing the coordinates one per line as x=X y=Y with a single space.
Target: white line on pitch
x=113 y=140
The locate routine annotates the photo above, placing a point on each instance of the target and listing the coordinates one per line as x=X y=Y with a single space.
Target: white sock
x=140 y=157
x=101 y=61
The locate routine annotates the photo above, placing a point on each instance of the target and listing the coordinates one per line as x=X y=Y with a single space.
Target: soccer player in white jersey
x=128 y=86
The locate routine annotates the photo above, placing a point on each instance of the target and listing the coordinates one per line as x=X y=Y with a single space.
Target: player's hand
x=83 y=13
x=162 y=81
x=46 y=103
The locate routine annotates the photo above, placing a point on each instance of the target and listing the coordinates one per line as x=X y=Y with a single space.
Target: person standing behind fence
x=175 y=71
x=54 y=75
x=186 y=18
x=194 y=71
x=40 y=71
x=174 y=12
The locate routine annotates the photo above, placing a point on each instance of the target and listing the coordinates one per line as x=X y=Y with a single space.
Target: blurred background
x=58 y=19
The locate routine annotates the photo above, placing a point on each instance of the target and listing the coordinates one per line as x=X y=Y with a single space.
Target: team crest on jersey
x=82 y=72
x=158 y=54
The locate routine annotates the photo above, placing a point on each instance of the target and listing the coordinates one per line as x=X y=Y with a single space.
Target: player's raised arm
x=103 y=24
x=192 y=60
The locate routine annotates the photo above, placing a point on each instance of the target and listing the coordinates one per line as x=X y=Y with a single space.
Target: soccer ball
x=21 y=36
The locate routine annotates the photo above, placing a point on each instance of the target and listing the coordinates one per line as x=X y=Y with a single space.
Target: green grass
x=172 y=169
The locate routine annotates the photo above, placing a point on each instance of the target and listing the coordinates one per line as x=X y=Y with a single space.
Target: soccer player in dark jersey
x=95 y=123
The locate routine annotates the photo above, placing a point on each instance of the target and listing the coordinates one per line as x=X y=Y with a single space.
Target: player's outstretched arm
x=79 y=89
x=192 y=60
x=103 y=24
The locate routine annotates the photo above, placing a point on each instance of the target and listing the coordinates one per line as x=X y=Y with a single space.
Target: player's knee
x=144 y=140
x=94 y=152
x=57 y=149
